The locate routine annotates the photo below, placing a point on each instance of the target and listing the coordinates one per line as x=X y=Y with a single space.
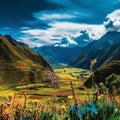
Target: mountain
x=69 y=46
x=21 y=65
x=106 y=74
x=57 y=55
x=79 y=39
x=104 y=50
x=82 y=39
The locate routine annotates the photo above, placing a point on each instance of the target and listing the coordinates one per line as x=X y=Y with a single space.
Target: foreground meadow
x=71 y=101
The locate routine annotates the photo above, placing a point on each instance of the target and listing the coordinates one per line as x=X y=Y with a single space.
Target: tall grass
x=99 y=106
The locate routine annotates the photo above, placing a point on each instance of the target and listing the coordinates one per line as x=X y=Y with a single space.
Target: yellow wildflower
x=99 y=97
x=70 y=97
x=63 y=107
x=36 y=101
x=11 y=94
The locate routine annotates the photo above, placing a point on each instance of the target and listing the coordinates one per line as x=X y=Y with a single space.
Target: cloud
x=70 y=28
x=52 y=16
x=48 y=22
x=67 y=41
x=64 y=33
x=114 y=15
x=113 y=21
x=79 y=39
x=33 y=32
x=25 y=28
x=31 y=42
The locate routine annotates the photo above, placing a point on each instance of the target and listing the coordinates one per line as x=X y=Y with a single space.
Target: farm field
x=71 y=101
x=42 y=92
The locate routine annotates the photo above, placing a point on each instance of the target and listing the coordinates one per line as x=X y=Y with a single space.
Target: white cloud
x=67 y=41
x=70 y=41
x=24 y=28
x=113 y=22
x=33 y=32
x=60 y=30
x=52 y=16
x=77 y=34
x=69 y=28
x=114 y=15
x=31 y=43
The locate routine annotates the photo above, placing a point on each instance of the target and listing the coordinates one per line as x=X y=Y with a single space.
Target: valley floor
x=71 y=101
x=43 y=93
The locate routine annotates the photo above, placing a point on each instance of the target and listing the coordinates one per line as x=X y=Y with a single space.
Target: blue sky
x=46 y=22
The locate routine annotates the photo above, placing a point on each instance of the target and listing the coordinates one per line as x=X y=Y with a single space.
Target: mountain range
x=57 y=55
x=61 y=53
x=19 y=64
x=104 y=50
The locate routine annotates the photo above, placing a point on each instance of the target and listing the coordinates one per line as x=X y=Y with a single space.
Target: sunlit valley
x=59 y=62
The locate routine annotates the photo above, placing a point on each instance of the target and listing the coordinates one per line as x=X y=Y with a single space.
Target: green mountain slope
x=21 y=65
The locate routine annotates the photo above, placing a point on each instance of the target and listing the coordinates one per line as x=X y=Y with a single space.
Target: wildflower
x=86 y=107
x=80 y=113
x=11 y=94
x=101 y=83
x=63 y=107
x=94 y=108
x=36 y=101
x=70 y=97
x=91 y=107
x=73 y=109
x=99 y=97
x=25 y=118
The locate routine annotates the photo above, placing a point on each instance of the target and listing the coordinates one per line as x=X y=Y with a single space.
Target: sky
x=59 y=22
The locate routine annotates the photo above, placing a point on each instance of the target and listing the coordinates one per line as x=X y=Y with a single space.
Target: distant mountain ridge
x=61 y=53
x=104 y=50
x=19 y=64
x=80 y=39
x=57 y=55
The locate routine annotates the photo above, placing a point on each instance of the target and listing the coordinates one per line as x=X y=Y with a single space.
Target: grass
x=42 y=90
x=42 y=103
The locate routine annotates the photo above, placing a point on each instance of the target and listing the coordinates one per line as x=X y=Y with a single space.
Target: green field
x=42 y=92
x=71 y=101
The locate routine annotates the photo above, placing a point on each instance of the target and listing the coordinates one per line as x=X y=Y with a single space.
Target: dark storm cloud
x=94 y=11
x=12 y=12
